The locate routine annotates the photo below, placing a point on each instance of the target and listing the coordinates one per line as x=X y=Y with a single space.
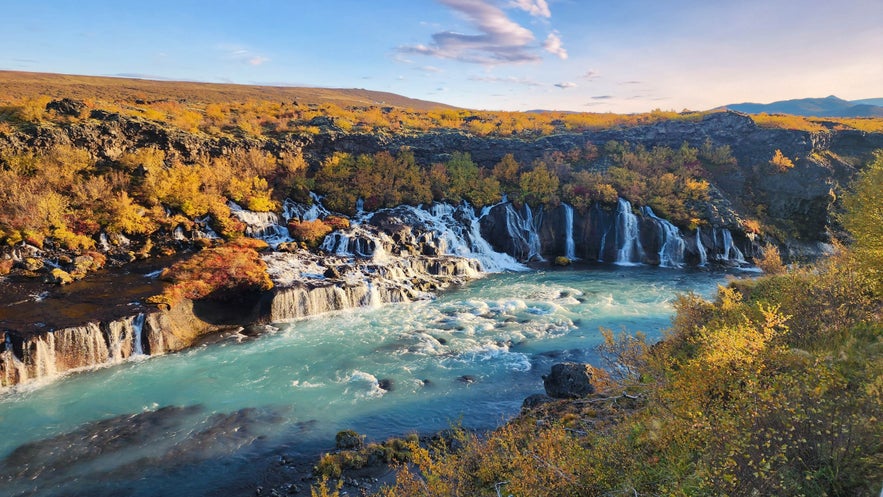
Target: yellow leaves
x=125 y=216
x=149 y=158
x=780 y=162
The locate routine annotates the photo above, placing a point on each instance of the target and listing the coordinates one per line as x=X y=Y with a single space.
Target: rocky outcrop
x=572 y=380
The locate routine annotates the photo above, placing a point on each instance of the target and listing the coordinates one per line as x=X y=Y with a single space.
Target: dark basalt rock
x=67 y=107
x=572 y=380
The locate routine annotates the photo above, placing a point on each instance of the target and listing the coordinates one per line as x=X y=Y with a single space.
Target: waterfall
x=729 y=251
x=703 y=256
x=137 y=328
x=569 y=245
x=458 y=231
x=44 y=356
x=263 y=225
x=523 y=231
x=337 y=243
x=291 y=209
x=671 y=250
x=628 y=246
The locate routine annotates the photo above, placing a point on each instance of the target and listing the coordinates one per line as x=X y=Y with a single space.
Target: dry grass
x=17 y=85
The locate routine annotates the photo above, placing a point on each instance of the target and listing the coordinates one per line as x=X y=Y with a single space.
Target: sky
x=577 y=55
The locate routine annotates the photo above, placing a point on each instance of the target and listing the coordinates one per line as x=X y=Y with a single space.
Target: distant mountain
x=816 y=107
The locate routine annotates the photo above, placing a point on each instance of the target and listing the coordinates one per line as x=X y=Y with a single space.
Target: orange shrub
x=310 y=232
x=218 y=273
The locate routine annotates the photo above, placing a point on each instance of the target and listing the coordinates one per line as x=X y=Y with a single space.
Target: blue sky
x=580 y=55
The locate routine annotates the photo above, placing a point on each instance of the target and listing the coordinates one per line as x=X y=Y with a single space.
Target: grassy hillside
x=16 y=85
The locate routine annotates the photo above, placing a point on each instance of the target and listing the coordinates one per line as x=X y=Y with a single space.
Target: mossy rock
x=59 y=277
x=349 y=439
x=32 y=264
x=561 y=261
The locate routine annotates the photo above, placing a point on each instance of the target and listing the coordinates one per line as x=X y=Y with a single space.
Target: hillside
x=830 y=106
x=27 y=84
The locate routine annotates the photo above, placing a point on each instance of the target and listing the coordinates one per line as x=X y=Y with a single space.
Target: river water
x=209 y=420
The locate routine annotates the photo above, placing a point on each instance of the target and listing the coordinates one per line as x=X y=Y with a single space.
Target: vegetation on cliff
x=775 y=388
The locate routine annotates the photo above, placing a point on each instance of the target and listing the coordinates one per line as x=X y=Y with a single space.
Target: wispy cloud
x=565 y=85
x=554 y=46
x=498 y=39
x=430 y=69
x=602 y=97
x=538 y=8
x=590 y=75
x=507 y=79
x=243 y=55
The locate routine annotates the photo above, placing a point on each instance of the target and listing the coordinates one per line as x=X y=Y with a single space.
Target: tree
x=780 y=162
x=539 y=186
x=863 y=218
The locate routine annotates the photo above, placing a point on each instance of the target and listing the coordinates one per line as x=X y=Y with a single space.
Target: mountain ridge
x=830 y=106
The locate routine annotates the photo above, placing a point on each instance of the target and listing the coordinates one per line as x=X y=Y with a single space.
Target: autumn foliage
x=218 y=273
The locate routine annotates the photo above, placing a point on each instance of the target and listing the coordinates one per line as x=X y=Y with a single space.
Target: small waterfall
x=44 y=356
x=458 y=231
x=569 y=245
x=102 y=240
x=316 y=210
x=337 y=243
x=628 y=246
x=263 y=225
x=137 y=329
x=522 y=230
x=729 y=251
x=703 y=256
x=671 y=250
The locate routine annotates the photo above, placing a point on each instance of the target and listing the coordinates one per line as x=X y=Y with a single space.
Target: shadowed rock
x=572 y=380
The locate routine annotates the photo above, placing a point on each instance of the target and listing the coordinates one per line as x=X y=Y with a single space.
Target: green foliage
x=467 y=182
x=863 y=218
x=539 y=186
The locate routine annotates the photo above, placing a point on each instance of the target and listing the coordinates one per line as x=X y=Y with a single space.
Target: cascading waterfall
x=569 y=245
x=458 y=231
x=700 y=249
x=671 y=250
x=628 y=246
x=263 y=225
x=137 y=329
x=292 y=209
x=729 y=251
x=522 y=229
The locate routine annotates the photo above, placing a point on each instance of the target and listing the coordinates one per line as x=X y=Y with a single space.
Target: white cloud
x=242 y=55
x=538 y=8
x=499 y=41
x=565 y=85
x=554 y=46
